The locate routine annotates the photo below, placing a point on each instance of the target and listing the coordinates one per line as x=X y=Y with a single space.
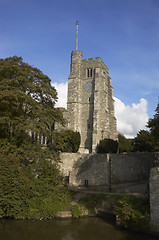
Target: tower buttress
x=74 y=92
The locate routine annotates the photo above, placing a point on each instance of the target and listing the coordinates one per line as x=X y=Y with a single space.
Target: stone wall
x=132 y=166
x=154 y=198
x=97 y=168
x=80 y=167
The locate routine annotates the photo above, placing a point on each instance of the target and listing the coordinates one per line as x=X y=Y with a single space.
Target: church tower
x=90 y=104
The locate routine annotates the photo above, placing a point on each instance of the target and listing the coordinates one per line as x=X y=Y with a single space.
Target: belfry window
x=89 y=72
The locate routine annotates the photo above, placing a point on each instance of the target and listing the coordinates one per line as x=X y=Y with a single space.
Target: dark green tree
x=144 y=142
x=107 y=146
x=66 y=141
x=125 y=144
x=153 y=124
x=30 y=191
x=149 y=140
x=29 y=176
x=27 y=101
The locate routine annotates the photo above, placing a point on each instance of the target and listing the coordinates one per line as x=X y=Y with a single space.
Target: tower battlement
x=78 y=52
x=96 y=62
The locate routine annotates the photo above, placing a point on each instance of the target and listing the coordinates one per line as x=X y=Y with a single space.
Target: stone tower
x=90 y=104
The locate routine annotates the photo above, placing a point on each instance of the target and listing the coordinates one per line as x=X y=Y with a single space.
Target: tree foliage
x=66 y=141
x=153 y=124
x=29 y=176
x=30 y=191
x=145 y=142
x=148 y=140
x=125 y=144
x=27 y=100
x=107 y=146
x=133 y=213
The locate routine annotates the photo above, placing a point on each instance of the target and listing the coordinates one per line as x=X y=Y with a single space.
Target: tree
x=153 y=124
x=29 y=175
x=107 y=146
x=66 y=141
x=14 y=187
x=149 y=140
x=124 y=144
x=144 y=142
x=30 y=191
x=27 y=101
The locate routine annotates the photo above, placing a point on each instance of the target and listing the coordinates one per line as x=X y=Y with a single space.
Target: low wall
x=97 y=168
x=82 y=167
x=154 y=198
x=132 y=166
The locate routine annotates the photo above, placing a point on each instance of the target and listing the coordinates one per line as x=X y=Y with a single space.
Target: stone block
x=64 y=214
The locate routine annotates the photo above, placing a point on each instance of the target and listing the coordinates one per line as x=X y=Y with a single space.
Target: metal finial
x=77 y=35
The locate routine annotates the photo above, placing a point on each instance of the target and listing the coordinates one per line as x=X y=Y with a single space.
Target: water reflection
x=79 y=229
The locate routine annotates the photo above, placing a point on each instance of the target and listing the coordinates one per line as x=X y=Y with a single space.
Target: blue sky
x=124 y=33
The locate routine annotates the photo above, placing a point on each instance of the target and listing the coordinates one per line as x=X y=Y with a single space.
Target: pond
x=72 y=229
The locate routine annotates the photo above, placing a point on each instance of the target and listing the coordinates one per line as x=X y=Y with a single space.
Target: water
x=78 y=229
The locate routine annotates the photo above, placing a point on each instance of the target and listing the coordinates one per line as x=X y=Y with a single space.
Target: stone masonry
x=96 y=167
x=154 y=198
x=81 y=167
x=90 y=104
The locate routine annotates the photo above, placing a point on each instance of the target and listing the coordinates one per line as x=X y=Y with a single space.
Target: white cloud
x=130 y=119
x=62 y=94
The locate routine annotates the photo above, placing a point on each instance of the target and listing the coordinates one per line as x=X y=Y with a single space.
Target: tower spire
x=77 y=35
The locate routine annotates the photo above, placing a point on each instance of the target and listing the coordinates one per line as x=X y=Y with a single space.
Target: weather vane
x=77 y=35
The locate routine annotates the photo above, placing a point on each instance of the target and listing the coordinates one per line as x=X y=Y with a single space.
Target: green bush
x=133 y=213
x=107 y=146
x=30 y=191
x=42 y=206
x=125 y=145
x=14 y=186
x=76 y=212
x=66 y=141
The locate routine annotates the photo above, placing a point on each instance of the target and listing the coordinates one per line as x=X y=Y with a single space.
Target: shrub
x=107 y=146
x=30 y=191
x=66 y=141
x=125 y=145
x=133 y=213
x=76 y=212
